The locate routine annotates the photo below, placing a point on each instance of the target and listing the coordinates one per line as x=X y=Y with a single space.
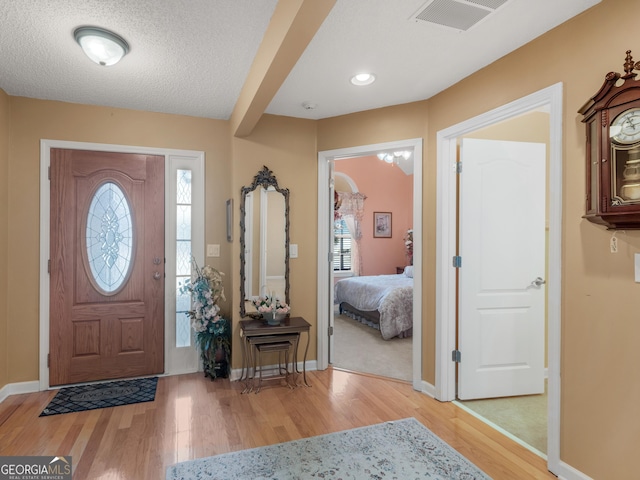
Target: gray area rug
x=360 y=348
x=402 y=449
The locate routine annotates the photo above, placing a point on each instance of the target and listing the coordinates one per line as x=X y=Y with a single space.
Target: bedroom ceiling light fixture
x=101 y=46
x=394 y=157
x=362 y=79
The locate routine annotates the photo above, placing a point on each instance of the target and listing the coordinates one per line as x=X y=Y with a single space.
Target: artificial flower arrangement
x=270 y=306
x=212 y=331
x=408 y=245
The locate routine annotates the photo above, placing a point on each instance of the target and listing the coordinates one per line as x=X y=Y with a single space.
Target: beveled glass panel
x=109 y=237
x=183 y=304
x=184 y=187
x=183 y=222
x=183 y=258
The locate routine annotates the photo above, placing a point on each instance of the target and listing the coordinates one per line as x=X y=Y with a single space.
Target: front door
x=106 y=266
x=502 y=244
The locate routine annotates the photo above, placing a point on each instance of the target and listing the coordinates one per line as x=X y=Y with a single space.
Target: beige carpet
x=523 y=417
x=360 y=348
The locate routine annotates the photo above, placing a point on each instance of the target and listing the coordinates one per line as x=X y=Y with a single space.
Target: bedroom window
x=341 y=247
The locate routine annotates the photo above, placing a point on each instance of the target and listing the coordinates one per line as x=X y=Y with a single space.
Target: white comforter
x=391 y=295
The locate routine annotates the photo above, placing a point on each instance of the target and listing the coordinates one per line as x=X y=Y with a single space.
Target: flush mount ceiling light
x=102 y=46
x=363 y=79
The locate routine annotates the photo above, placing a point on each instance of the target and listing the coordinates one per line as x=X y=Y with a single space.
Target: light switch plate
x=213 y=250
x=636 y=261
x=293 y=250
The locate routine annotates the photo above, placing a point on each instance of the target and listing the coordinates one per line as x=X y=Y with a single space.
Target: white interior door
x=502 y=244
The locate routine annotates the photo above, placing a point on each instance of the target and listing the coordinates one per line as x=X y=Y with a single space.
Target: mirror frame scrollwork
x=264 y=178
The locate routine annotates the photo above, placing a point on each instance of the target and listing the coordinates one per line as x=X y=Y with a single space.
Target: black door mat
x=102 y=395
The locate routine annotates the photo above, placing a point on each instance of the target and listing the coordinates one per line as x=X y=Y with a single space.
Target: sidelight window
x=183 y=255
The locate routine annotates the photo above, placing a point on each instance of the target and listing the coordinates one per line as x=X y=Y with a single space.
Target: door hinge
x=457 y=261
x=456 y=356
x=330 y=331
x=48 y=359
x=49 y=266
x=458 y=167
x=48 y=173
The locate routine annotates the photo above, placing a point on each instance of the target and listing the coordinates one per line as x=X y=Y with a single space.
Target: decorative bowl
x=274 y=320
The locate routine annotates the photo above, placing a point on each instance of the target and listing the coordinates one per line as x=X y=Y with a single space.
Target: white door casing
x=325 y=244
x=549 y=98
x=502 y=246
x=177 y=360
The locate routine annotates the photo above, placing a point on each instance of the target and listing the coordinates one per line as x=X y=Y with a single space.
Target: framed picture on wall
x=381 y=224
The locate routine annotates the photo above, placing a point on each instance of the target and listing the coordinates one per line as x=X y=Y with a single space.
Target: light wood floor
x=193 y=417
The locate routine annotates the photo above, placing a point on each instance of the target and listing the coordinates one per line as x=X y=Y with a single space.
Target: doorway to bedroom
x=366 y=260
x=368 y=210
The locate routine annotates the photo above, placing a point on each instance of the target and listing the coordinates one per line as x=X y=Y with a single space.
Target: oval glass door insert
x=109 y=237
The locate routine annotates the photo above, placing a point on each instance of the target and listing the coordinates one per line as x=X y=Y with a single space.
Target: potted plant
x=213 y=333
x=408 y=245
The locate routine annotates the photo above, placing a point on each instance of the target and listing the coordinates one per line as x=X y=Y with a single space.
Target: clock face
x=626 y=127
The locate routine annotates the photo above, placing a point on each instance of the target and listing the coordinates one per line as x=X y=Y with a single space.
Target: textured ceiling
x=192 y=57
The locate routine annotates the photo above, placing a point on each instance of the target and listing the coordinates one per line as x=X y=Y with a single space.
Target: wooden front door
x=106 y=266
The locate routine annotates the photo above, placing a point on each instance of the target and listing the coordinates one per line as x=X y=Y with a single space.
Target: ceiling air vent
x=458 y=14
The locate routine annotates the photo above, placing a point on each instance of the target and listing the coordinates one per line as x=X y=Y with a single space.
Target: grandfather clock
x=612 y=118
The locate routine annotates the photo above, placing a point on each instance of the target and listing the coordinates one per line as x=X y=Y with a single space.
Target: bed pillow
x=408 y=271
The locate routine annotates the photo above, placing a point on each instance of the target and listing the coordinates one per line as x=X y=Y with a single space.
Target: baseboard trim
x=567 y=472
x=18 y=388
x=428 y=389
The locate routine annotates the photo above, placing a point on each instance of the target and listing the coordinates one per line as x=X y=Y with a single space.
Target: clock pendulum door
x=630 y=188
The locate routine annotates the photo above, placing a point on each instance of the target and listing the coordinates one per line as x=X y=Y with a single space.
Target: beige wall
x=4 y=182
x=32 y=120
x=400 y=122
x=600 y=326
x=287 y=146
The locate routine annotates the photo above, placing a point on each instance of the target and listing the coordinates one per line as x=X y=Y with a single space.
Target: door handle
x=538 y=282
x=157 y=276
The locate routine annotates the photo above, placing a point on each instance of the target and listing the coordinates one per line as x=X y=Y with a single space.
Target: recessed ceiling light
x=100 y=45
x=363 y=79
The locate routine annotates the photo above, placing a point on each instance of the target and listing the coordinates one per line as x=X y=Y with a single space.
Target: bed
x=384 y=302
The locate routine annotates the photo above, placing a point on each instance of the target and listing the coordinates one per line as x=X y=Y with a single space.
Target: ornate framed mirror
x=264 y=240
